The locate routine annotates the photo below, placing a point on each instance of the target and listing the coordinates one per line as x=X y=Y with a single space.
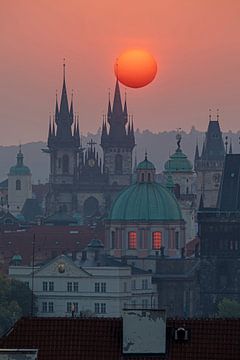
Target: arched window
x=91 y=206
x=156 y=240
x=18 y=184
x=118 y=164
x=149 y=177
x=142 y=177
x=65 y=164
x=132 y=240
x=113 y=240
x=177 y=190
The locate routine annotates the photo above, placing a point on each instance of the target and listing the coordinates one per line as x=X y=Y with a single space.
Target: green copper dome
x=145 y=165
x=147 y=201
x=19 y=168
x=178 y=161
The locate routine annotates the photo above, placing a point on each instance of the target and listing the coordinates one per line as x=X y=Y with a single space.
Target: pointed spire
x=125 y=110
x=117 y=102
x=64 y=109
x=196 y=157
x=71 y=109
x=56 y=110
x=20 y=156
x=49 y=130
x=109 y=113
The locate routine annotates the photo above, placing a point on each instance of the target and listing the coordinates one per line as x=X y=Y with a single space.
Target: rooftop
x=101 y=338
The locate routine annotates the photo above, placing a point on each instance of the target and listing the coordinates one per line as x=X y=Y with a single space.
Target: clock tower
x=209 y=165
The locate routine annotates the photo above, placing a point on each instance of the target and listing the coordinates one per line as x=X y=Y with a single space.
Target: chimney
x=144 y=332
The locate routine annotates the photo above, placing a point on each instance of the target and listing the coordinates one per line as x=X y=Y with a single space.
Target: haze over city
x=196 y=45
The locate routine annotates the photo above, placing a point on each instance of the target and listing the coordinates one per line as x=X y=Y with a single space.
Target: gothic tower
x=63 y=147
x=209 y=165
x=118 y=142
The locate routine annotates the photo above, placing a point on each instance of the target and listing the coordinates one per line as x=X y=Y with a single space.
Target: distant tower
x=19 y=185
x=118 y=142
x=209 y=165
x=63 y=147
x=179 y=170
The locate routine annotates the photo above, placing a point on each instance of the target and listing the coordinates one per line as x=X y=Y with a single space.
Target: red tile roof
x=101 y=339
x=50 y=241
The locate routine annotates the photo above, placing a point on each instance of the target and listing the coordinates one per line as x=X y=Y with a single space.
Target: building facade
x=64 y=288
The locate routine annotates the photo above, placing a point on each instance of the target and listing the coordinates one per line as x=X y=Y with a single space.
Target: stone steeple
x=117 y=118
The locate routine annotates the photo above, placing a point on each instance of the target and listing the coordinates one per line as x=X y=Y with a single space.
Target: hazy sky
x=195 y=42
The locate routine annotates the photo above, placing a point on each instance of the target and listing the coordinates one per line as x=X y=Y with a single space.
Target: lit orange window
x=156 y=240
x=132 y=240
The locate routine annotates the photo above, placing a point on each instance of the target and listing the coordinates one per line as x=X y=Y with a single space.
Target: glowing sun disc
x=135 y=68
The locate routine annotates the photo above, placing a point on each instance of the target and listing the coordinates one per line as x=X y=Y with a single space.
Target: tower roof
x=213 y=147
x=19 y=169
x=178 y=161
x=117 y=117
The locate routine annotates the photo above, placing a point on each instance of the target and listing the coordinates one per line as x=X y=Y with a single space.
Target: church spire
x=196 y=157
x=117 y=103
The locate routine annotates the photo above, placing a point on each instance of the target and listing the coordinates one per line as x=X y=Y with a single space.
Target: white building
x=62 y=287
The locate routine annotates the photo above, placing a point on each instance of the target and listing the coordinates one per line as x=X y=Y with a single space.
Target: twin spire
x=117 y=117
x=64 y=117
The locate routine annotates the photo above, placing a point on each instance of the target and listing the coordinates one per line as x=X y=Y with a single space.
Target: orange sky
x=196 y=44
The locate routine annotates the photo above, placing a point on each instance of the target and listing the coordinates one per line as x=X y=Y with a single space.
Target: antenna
x=33 y=260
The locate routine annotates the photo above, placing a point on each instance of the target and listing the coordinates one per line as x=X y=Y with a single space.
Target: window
x=145 y=284
x=113 y=240
x=133 y=284
x=45 y=286
x=69 y=286
x=50 y=307
x=124 y=286
x=26 y=283
x=133 y=303
x=75 y=286
x=149 y=177
x=44 y=307
x=177 y=240
x=75 y=307
x=65 y=164
x=51 y=286
x=118 y=164
x=103 y=308
x=59 y=163
x=132 y=240
x=171 y=239
x=97 y=308
x=145 y=303
x=18 y=184
x=103 y=287
x=100 y=308
x=69 y=307
x=97 y=287
x=156 y=240
x=142 y=177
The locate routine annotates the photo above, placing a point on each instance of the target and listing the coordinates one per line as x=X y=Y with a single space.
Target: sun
x=135 y=68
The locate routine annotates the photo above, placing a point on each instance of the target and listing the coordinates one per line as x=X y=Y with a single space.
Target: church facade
x=80 y=182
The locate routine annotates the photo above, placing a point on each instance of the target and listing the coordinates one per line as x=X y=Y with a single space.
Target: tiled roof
x=101 y=339
x=50 y=241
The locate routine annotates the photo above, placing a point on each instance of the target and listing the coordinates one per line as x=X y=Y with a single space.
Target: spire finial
x=210 y=114
x=178 y=138
x=226 y=144
x=146 y=155
x=64 y=68
x=217 y=114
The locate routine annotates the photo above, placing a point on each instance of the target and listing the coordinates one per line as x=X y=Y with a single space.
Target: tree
x=15 y=301
x=229 y=308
